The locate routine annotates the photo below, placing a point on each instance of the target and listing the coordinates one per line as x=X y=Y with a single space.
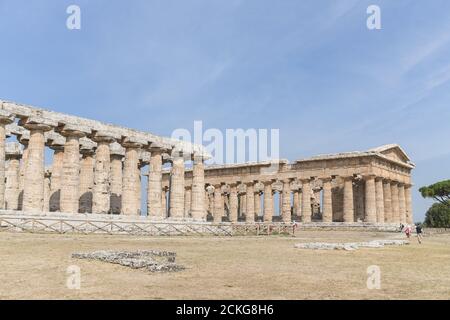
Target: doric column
x=5 y=118
x=348 y=199
x=57 y=169
x=13 y=155
x=233 y=202
x=370 y=200
x=164 y=209
x=257 y=203
x=33 y=193
x=154 y=187
x=395 y=202
x=327 y=201
x=408 y=201
x=250 y=211
x=387 y=197
x=379 y=199
x=47 y=191
x=218 y=203
x=402 y=202
x=268 y=201
x=117 y=153
x=306 y=200
x=101 y=190
x=86 y=178
x=198 y=209
x=70 y=182
x=296 y=203
x=176 y=198
x=286 y=202
x=24 y=140
x=187 y=200
x=131 y=178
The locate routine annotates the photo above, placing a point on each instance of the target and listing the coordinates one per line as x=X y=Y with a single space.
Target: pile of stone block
x=150 y=260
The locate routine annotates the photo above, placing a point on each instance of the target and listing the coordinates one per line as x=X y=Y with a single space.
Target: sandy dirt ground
x=34 y=266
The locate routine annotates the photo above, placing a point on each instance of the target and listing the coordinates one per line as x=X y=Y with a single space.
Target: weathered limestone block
x=348 y=199
x=370 y=198
x=33 y=193
x=327 y=201
x=176 y=205
x=70 y=182
x=198 y=209
x=379 y=199
x=13 y=155
x=5 y=118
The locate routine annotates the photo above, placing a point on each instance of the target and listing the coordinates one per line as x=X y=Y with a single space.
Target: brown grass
x=34 y=267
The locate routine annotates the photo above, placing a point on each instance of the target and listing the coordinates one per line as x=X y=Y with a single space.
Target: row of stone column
x=89 y=180
x=386 y=201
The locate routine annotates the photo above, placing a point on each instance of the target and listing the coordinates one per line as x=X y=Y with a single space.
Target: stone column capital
x=326 y=179
x=6 y=117
x=70 y=130
x=369 y=176
x=104 y=137
x=38 y=123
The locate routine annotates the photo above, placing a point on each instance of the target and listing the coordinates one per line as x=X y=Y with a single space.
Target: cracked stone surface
x=150 y=260
x=350 y=245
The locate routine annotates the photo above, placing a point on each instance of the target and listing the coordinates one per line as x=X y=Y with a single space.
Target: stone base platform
x=52 y=222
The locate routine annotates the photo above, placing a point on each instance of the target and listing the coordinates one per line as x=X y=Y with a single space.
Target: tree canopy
x=440 y=191
x=438 y=216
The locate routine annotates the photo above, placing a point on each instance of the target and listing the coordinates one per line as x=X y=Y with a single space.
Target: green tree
x=440 y=191
x=438 y=216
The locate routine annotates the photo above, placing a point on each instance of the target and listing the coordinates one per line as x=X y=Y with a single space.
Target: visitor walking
x=408 y=230
x=419 y=233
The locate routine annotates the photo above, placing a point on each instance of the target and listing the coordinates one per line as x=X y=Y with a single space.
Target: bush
x=438 y=216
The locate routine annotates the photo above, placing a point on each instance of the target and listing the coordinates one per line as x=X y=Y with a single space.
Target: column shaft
x=218 y=204
x=408 y=200
x=327 y=202
x=306 y=201
x=86 y=182
x=402 y=203
x=154 y=188
x=56 y=179
x=198 y=209
x=370 y=200
x=116 y=185
x=250 y=212
x=395 y=203
x=387 y=196
x=233 y=203
x=101 y=189
x=131 y=173
x=286 y=202
x=348 y=200
x=379 y=199
x=12 y=184
x=268 y=202
x=176 y=205
x=70 y=182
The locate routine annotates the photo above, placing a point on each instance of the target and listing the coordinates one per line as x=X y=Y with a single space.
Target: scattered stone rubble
x=150 y=260
x=350 y=245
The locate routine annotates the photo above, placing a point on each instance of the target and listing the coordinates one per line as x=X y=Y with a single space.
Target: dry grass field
x=33 y=266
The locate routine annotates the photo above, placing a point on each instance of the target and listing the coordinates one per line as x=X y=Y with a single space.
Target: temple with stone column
x=372 y=187
x=97 y=169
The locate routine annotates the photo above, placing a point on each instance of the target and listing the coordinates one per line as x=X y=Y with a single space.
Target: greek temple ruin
x=97 y=168
x=370 y=187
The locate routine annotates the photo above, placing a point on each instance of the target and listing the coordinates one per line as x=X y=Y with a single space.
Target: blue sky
x=309 y=68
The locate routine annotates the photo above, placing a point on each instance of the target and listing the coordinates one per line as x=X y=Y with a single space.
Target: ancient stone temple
x=373 y=186
x=96 y=167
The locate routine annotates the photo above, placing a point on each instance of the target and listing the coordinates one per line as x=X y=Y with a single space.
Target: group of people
x=408 y=229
